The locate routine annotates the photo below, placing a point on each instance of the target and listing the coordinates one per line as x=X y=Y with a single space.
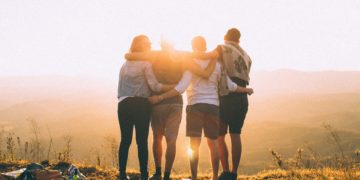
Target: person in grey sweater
x=136 y=83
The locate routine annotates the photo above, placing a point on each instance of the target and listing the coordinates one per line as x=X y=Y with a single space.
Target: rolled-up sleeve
x=231 y=85
x=151 y=79
x=184 y=82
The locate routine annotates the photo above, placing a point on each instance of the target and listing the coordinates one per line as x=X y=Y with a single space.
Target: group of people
x=149 y=92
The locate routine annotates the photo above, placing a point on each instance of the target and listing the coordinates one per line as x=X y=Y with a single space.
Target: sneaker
x=155 y=177
x=225 y=176
x=124 y=177
x=233 y=176
x=144 y=176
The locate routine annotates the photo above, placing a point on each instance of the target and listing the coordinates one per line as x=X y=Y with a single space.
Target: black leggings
x=134 y=111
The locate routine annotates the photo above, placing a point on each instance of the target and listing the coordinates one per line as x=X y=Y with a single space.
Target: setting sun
x=135 y=86
x=189 y=152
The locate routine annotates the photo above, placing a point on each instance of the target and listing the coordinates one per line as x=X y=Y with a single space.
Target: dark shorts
x=233 y=110
x=202 y=116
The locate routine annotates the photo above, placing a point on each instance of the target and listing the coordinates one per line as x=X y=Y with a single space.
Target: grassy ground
x=92 y=172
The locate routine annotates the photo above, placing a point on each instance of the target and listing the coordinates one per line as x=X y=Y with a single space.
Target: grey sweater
x=136 y=79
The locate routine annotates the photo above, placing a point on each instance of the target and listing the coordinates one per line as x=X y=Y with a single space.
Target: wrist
x=241 y=89
x=160 y=97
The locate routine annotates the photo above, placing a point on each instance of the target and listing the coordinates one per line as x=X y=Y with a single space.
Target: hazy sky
x=89 y=37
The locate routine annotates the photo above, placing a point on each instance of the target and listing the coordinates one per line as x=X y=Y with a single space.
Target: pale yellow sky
x=89 y=37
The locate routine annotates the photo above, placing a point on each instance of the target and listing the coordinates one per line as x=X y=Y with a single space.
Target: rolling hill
x=286 y=112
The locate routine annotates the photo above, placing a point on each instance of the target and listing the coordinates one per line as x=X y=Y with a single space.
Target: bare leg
x=170 y=153
x=223 y=153
x=194 y=160
x=236 y=149
x=157 y=149
x=213 y=146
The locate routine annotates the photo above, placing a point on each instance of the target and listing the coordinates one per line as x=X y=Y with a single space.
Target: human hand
x=154 y=99
x=167 y=46
x=250 y=91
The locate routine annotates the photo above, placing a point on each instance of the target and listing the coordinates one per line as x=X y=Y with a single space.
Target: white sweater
x=202 y=90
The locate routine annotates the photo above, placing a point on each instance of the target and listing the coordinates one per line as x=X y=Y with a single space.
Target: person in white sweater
x=233 y=106
x=202 y=111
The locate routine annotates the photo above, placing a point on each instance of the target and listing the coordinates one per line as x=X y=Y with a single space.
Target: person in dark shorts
x=202 y=116
x=233 y=106
x=136 y=80
x=236 y=64
x=233 y=110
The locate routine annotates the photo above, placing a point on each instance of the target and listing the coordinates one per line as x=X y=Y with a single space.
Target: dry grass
x=95 y=172
x=306 y=163
x=326 y=173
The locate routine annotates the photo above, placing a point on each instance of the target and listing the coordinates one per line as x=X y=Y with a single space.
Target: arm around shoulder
x=197 y=70
x=206 y=55
x=143 y=56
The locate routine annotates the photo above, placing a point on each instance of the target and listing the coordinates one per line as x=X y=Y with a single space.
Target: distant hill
x=265 y=83
x=20 y=89
x=286 y=82
x=281 y=93
x=286 y=112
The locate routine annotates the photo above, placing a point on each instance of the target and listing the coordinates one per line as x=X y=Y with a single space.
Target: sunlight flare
x=190 y=152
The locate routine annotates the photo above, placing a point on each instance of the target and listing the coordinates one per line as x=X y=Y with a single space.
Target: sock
x=166 y=175
x=158 y=171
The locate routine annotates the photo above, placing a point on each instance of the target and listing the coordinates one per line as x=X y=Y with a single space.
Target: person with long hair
x=136 y=82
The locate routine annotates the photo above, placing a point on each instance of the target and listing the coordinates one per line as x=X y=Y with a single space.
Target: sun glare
x=190 y=152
